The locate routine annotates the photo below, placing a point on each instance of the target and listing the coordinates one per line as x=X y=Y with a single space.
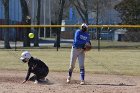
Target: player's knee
x=71 y=68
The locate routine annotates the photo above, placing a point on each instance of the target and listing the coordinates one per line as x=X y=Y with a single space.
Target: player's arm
x=27 y=76
x=88 y=45
x=88 y=40
x=77 y=38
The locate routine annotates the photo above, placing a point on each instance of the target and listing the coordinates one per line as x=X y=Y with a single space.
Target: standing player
x=35 y=66
x=81 y=40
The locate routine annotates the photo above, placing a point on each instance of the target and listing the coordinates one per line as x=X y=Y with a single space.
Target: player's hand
x=23 y=81
x=87 y=47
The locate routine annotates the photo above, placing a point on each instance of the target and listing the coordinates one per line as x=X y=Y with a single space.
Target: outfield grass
x=115 y=44
x=105 y=62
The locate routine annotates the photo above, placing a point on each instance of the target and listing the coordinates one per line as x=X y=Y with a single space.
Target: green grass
x=116 y=44
x=108 y=61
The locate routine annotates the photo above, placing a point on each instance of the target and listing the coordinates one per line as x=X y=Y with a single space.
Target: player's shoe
x=82 y=82
x=36 y=82
x=68 y=79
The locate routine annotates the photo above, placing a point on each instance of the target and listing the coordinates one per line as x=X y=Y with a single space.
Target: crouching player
x=35 y=66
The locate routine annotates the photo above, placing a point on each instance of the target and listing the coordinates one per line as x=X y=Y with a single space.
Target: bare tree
x=82 y=8
x=36 y=40
x=26 y=20
x=58 y=22
x=6 y=31
x=130 y=14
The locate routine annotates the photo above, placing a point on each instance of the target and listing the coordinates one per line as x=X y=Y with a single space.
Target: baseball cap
x=84 y=25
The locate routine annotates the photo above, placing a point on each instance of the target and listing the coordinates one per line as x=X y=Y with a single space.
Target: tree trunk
x=57 y=43
x=27 y=21
x=86 y=11
x=6 y=30
x=36 y=40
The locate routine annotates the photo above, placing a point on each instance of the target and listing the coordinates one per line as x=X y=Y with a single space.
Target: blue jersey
x=80 y=39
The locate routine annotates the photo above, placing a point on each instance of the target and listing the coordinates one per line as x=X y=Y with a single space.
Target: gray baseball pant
x=80 y=54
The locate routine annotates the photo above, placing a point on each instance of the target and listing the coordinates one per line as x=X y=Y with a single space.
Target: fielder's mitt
x=87 y=47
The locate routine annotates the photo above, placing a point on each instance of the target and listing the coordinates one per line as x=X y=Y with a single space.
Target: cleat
x=82 y=82
x=68 y=79
x=36 y=82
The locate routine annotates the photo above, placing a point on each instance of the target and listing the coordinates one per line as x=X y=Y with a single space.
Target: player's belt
x=77 y=47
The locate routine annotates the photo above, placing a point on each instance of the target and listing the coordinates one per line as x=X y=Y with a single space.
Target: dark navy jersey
x=80 y=39
x=37 y=67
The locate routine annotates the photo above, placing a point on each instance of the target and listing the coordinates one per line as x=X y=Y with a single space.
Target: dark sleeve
x=28 y=74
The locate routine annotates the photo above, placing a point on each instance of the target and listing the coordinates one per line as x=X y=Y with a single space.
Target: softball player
x=80 y=40
x=36 y=66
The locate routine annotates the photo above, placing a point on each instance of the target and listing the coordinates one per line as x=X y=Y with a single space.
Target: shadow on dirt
x=46 y=82
x=120 y=84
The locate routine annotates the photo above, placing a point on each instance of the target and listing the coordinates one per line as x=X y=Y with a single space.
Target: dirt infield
x=10 y=82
